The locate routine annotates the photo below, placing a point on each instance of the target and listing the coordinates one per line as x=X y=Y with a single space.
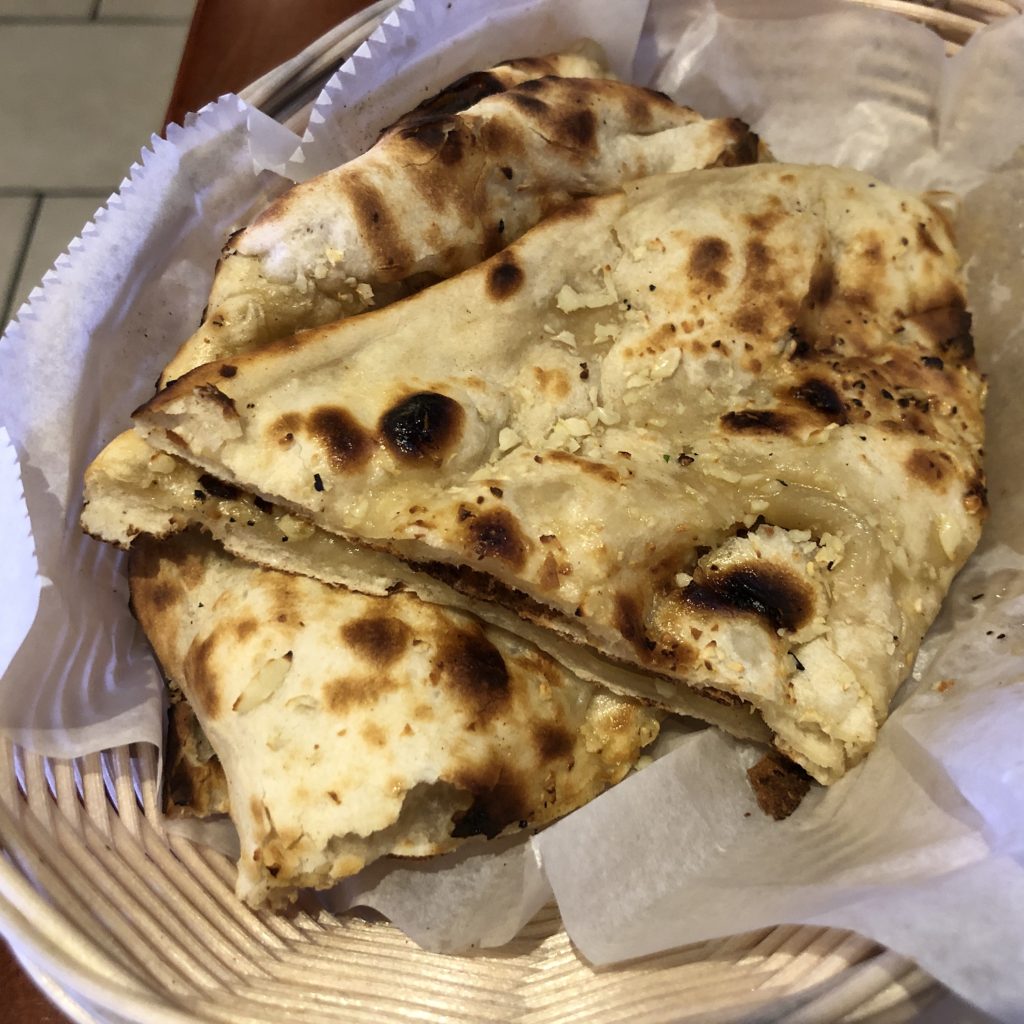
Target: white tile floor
x=84 y=84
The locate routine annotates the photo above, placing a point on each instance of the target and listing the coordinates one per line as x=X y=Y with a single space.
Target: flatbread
x=449 y=184
x=352 y=727
x=145 y=492
x=550 y=141
x=723 y=427
x=450 y=217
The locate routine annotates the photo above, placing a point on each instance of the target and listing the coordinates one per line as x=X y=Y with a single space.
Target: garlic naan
x=351 y=727
x=723 y=427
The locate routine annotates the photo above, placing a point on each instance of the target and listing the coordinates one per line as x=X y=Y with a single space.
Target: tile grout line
x=22 y=257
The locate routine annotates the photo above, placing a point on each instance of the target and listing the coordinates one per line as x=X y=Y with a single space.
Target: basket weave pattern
x=152 y=920
x=121 y=920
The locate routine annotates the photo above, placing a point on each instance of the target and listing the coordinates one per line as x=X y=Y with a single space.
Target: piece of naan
x=404 y=214
x=447 y=185
x=723 y=428
x=352 y=727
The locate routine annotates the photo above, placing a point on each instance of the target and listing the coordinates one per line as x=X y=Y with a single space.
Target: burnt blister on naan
x=383 y=234
x=931 y=468
x=578 y=128
x=757 y=421
x=377 y=639
x=504 y=277
x=493 y=809
x=524 y=97
x=629 y=621
x=743 y=147
x=772 y=593
x=822 y=398
x=462 y=94
x=442 y=136
x=345 y=443
x=496 y=534
x=423 y=427
x=473 y=669
x=708 y=262
x=948 y=330
x=205 y=685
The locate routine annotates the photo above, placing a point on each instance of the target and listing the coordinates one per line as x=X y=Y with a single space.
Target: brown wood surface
x=20 y=1001
x=230 y=44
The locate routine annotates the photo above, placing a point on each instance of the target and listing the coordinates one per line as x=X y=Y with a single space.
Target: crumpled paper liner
x=85 y=349
x=922 y=846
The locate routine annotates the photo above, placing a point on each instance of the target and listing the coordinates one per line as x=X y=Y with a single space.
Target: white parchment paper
x=922 y=846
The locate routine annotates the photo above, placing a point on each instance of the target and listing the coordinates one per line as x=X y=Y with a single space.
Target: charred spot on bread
x=204 y=680
x=756 y=421
x=926 y=467
x=377 y=639
x=493 y=809
x=577 y=128
x=774 y=594
x=282 y=431
x=481 y=585
x=463 y=93
x=528 y=104
x=948 y=330
x=708 y=261
x=466 y=662
x=591 y=467
x=552 y=742
x=823 y=285
x=384 y=236
x=925 y=237
x=245 y=628
x=496 y=534
x=212 y=393
x=342 y=695
x=822 y=397
x=423 y=426
x=629 y=621
x=345 y=443
x=758 y=259
x=744 y=147
x=504 y=277
x=162 y=596
x=441 y=136
x=218 y=488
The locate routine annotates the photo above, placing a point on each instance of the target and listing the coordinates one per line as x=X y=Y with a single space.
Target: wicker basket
x=120 y=921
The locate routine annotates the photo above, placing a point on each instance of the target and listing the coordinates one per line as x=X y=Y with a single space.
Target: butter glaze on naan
x=724 y=427
x=352 y=727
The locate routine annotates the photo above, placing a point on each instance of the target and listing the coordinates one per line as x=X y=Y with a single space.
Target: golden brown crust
x=349 y=727
x=774 y=342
